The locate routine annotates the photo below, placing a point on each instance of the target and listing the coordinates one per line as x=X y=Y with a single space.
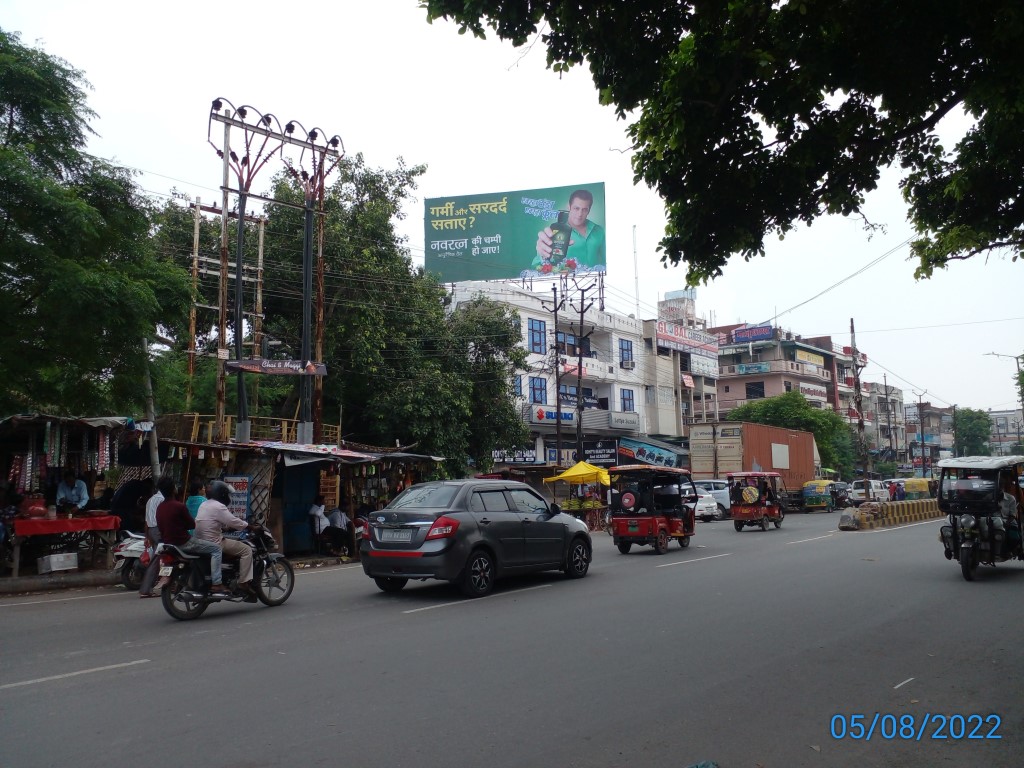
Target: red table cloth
x=39 y=526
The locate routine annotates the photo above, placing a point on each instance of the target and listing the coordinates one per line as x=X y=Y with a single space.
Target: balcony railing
x=202 y=428
x=775 y=366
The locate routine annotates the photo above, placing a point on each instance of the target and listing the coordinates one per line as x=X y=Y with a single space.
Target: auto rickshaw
x=916 y=488
x=982 y=498
x=651 y=505
x=817 y=494
x=756 y=499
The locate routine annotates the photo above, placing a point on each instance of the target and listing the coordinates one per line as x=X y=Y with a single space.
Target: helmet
x=219 y=491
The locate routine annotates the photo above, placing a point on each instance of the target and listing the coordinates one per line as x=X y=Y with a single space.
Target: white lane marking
x=908 y=525
x=326 y=569
x=903 y=683
x=477 y=600
x=62 y=599
x=695 y=560
x=816 y=538
x=74 y=674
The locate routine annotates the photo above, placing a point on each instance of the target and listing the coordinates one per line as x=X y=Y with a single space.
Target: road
x=739 y=649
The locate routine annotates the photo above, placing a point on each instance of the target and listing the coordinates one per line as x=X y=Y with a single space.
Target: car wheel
x=578 y=559
x=390 y=583
x=624 y=547
x=722 y=512
x=765 y=523
x=661 y=543
x=737 y=525
x=478 y=578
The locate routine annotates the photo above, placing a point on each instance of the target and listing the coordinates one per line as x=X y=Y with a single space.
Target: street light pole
x=1020 y=383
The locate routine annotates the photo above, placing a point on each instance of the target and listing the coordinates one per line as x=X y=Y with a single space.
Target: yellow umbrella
x=582 y=473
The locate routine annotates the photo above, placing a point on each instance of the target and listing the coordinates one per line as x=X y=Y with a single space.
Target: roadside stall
x=585 y=499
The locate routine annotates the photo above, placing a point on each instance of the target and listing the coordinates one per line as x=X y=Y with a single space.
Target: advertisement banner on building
x=746 y=368
x=639 y=452
x=517 y=456
x=239 y=505
x=700 y=345
x=601 y=453
x=494 y=236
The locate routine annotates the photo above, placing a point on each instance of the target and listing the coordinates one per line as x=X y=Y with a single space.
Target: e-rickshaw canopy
x=581 y=473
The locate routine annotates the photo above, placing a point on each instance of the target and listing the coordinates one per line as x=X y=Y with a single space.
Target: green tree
x=971 y=430
x=793 y=411
x=749 y=117
x=79 y=285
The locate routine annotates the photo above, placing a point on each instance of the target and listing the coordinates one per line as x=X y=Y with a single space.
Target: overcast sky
x=487 y=117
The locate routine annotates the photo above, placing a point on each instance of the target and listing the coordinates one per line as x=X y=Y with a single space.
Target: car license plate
x=402 y=534
x=634 y=525
x=165 y=570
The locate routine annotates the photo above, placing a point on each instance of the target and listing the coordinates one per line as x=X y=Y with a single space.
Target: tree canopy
x=793 y=411
x=971 y=432
x=79 y=285
x=751 y=117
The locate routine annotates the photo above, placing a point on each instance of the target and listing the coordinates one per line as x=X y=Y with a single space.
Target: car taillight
x=366 y=531
x=443 y=528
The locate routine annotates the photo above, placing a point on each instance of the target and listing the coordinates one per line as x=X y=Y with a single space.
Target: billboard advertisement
x=508 y=235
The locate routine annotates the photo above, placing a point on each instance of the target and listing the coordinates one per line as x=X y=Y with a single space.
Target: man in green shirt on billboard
x=586 y=243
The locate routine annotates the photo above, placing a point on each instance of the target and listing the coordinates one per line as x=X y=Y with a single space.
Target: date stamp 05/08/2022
x=889 y=727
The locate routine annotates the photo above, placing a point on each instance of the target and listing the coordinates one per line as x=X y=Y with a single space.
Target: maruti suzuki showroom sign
x=518 y=234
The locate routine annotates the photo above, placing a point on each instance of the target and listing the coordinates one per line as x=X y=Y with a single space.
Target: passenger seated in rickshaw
x=768 y=494
x=667 y=500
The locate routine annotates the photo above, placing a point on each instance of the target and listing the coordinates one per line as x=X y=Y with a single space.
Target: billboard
x=508 y=235
x=701 y=346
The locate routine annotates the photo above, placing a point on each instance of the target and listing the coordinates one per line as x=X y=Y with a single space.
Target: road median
x=885 y=514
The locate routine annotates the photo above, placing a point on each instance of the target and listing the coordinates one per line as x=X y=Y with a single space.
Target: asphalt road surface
x=749 y=649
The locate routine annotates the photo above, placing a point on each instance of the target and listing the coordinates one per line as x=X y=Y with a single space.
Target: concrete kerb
x=886 y=514
x=99 y=577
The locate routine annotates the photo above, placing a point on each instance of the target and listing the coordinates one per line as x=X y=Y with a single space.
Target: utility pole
x=888 y=415
x=555 y=306
x=264 y=137
x=192 y=309
x=154 y=445
x=920 y=423
x=858 y=404
x=580 y=336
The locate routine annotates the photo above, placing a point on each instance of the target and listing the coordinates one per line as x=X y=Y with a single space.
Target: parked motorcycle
x=128 y=560
x=187 y=595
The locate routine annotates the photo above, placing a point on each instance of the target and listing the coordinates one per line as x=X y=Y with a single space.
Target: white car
x=720 y=490
x=707 y=508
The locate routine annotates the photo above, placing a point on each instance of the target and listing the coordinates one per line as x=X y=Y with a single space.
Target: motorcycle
x=187 y=595
x=128 y=560
x=981 y=498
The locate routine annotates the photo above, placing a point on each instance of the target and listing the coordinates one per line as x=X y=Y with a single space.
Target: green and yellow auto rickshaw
x=916 y=488
x=817 y=494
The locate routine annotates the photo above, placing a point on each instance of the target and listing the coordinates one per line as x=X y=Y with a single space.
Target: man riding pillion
x=175 y=522
x=213 y=518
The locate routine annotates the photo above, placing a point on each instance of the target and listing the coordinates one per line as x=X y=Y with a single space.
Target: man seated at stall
x=72 y=492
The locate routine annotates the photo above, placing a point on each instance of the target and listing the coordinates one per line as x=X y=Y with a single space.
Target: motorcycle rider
x=175 y=522
x=213 y=518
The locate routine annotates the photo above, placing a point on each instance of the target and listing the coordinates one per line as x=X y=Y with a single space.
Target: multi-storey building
x=929 y=434
x=1007 y=431
x=884 y=409
x=762 y=361
x=604 y=373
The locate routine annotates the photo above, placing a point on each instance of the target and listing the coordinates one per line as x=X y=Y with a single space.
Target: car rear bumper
x=445 y=565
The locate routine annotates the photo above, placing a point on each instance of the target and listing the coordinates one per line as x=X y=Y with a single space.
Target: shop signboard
x=812 y=392
x=809 y=357
x=517 y=456
x=629 y=420
x=700 y=345
x=745 y=368
x=545 y=414
x=752 y=333
x=494 y=236
x=240 y=495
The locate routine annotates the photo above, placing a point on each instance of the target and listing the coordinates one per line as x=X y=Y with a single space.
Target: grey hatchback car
x=471 y=532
